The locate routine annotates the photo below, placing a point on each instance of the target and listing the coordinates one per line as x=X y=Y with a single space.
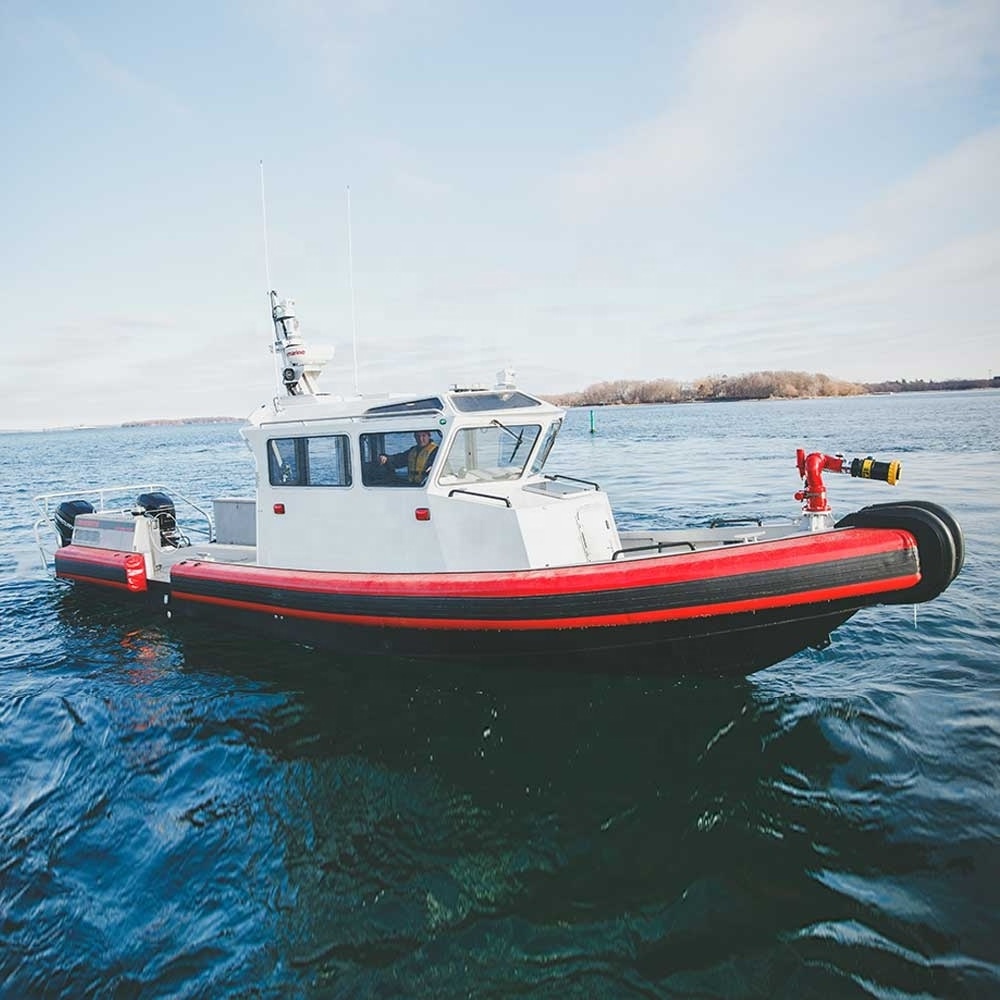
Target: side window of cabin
x=329 y=461
x=283 y=465
x=315 y=461
x=399 y=458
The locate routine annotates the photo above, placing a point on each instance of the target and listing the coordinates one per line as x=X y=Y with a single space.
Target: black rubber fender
x=949 y=519
x=941 y=551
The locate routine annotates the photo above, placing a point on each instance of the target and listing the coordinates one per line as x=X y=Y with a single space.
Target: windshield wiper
x=518 y=437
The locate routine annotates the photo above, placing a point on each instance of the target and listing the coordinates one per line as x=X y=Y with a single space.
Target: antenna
x=267 y=268
x=263 y=212
x=350 y=270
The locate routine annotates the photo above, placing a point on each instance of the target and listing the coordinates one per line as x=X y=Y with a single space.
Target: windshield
x=543 y=452
x=487 y=454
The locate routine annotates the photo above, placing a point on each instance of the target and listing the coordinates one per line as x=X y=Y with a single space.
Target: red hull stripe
x=85 y=565
x=864 y=565
x=592 y=621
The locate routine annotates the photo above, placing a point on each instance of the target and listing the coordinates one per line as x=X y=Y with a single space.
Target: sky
x=582 y=191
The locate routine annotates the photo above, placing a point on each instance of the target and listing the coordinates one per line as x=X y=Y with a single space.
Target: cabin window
x=487 y=454
x=408 y=406
x=399 y=458
x=329 y=461
x=475 y=401
x=543 y=453
x=309 y=461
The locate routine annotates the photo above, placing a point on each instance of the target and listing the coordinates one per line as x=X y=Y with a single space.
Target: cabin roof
x=454 y=402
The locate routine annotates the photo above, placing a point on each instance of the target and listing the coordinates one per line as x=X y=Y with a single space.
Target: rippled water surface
x=190 y=814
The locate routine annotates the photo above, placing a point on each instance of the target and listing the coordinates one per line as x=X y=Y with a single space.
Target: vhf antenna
x=267 y=267
x=350 y=270
x=263 y=213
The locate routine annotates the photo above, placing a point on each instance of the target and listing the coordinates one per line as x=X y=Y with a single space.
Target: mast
x=350 y=270
x=300 y=366
x=296 y=367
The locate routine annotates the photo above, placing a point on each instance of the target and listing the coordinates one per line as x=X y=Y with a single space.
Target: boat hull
x=738 y=644
x=733 y=609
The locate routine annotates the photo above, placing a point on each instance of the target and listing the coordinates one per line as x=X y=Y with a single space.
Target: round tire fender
x=946 y=516
x=938 y=548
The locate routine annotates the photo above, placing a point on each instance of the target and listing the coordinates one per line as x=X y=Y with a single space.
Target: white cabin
x=335 y=491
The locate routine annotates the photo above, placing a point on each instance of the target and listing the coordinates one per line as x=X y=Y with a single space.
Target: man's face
x=423 y=438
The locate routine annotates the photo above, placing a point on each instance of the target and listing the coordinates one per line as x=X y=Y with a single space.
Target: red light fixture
x=422 y=513
x=279 y=508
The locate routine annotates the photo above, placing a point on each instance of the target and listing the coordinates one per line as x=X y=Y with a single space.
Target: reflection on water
x=279 y=817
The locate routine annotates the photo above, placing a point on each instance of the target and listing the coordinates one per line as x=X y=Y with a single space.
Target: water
x=201 y=816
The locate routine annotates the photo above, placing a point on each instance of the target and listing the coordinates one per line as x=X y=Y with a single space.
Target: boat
x=430 y=526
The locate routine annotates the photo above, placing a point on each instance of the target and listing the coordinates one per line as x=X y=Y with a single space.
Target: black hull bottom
x=735 y=645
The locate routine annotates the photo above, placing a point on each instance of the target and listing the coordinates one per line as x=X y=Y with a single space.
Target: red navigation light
x=279 y=508
x=422 y=513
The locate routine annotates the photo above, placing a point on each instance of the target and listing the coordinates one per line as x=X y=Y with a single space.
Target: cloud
x=767 y=65
x=759 y=49
x=953 y=193
x=418 y=185
x=956 y=189
x=97 y=64
x=345 y=46
x=940 y=279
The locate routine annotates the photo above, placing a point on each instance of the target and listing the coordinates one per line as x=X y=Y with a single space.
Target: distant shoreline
x=180 y=421
x=751 y=386
x=130 y=424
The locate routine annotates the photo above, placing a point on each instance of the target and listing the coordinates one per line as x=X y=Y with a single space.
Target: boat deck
x=221 y=552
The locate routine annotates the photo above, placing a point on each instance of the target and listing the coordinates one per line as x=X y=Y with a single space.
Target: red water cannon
x=813 y=465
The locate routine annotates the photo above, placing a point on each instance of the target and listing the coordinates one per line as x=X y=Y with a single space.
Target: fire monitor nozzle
x=868 y=468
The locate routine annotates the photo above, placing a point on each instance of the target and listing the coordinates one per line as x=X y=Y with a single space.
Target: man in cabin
x=416 y=459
